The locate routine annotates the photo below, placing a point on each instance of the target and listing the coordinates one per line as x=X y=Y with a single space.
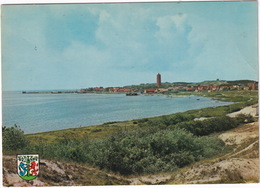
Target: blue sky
x=85 y=45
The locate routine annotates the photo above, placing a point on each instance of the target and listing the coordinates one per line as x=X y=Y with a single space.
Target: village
x=167 y=88
x=176 y=89
x=163 y=88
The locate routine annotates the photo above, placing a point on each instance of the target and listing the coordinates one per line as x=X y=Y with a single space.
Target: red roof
x=98 y=89
x=122 y=89
x=127 y=90
x=150 y=90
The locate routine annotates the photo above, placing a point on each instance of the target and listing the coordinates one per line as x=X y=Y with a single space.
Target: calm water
x=46 y=112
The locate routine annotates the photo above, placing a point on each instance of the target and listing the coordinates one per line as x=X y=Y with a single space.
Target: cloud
x=106 y=44
x=173 y=39
x=169 y=25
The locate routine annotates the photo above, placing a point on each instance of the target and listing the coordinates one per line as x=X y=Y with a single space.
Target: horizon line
x=70 y=89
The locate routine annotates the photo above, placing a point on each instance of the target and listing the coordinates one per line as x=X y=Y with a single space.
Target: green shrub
x=144 y=150
x=164 y=121
x=208 y=126
x=162 y=151
x=244 y=118
x=13 y=138
x=142 y=120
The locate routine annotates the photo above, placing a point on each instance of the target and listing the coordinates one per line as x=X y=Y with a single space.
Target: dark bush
x=142 y=120
x=244 y=118
x=209 y=126
x=164 y=121
x=13 y=138
x=162 y=151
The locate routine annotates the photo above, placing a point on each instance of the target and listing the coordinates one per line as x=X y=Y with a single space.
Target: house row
x=122 y=90
x=250 y=86
x=210 y=88
x=96 y=89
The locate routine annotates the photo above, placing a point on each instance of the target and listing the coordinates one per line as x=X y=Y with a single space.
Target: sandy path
x=251 y=110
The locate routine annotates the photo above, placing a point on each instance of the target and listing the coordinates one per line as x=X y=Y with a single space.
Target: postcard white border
x=254 y=185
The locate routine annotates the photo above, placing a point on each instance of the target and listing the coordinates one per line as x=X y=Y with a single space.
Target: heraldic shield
x=28 y=166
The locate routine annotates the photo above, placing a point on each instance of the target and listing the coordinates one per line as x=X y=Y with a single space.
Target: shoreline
x=136 y=119
x=228 y=96
x=102 y=130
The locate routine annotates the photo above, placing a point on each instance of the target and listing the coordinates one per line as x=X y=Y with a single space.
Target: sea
x=47 y=112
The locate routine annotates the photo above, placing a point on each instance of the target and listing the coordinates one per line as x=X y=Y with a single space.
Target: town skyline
x=162 y=87
x=88 y=45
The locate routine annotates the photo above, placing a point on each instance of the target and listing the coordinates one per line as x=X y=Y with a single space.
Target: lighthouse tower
x=158 y=80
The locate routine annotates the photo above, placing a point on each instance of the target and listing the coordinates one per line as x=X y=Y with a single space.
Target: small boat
x=131 y=94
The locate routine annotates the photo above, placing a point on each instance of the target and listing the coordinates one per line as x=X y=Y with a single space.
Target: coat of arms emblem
x=28 y=166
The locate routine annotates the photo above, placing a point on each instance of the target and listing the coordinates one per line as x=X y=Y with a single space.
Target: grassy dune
x=166 y=149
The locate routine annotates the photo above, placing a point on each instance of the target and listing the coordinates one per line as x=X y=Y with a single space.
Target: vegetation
x=240 y=100
x=213 y=125
x=159 y=145
x=135 y=152
x=148 y=145
x=13 y=138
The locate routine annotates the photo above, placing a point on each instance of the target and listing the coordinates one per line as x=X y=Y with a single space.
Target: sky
x=73 y=46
